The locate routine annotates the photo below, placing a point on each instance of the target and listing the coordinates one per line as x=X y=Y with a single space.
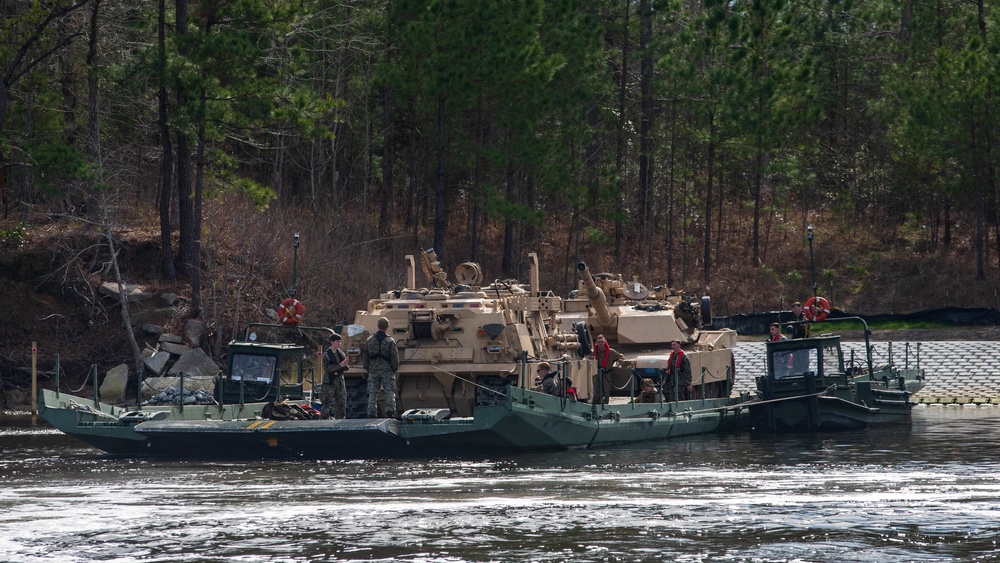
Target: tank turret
x=598 y=300
x=641 y=323
x=628 y=313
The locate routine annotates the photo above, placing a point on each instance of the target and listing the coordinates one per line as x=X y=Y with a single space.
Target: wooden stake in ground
x=34 y=382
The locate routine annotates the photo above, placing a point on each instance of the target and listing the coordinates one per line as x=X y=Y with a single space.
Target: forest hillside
x=180 y=144
x=51 y=268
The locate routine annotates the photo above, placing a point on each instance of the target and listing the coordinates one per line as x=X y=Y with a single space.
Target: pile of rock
x=167 y=357
x=171 y=396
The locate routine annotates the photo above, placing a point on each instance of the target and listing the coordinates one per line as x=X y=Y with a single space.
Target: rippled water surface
x=930 y=493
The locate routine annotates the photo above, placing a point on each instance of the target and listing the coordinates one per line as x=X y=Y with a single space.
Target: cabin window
x=794 y=363
x=290 y=370
x=832 y=360
x=252 y=368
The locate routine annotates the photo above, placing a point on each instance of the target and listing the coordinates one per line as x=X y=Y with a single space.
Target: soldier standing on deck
x=799 y=329
x=679 y=368
x=603 y=353
x=546 y=379
x=381 y=360
x=775 y=333
x=334 y=392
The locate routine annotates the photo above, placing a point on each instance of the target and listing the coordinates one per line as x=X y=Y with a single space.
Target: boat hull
x=527 y=421
x=826 y=414
x=860 y=404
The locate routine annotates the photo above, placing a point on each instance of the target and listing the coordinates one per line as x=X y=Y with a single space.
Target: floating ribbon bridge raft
x=958 y=372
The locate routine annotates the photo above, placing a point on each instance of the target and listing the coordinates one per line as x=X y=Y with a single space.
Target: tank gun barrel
x=598 y=300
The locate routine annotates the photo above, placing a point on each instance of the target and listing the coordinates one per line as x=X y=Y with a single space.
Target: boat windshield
x=252 y=368
x=794 y=363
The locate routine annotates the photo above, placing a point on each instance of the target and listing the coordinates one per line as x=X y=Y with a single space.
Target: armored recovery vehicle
x=641 y=323
x=462 y=343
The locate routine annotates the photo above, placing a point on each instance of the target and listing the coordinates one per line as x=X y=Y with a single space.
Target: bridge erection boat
x=810 y=386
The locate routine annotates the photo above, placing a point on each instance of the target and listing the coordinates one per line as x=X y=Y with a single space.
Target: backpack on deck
x=277 y=411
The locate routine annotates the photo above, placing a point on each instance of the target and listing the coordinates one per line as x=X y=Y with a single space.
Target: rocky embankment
x=167 y=357
x=165 y=362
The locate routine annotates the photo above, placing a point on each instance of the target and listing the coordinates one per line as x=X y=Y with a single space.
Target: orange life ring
x=291 y=311
x=816 y=309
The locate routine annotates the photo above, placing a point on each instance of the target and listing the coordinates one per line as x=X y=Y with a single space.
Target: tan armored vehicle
x=641 y=323
x=461 y=343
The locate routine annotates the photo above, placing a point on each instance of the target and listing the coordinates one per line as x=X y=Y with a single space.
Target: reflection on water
x=929 y=493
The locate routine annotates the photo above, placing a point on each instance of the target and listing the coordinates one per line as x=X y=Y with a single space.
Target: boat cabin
x=808 y=386
x=262 y=372
x=802 y=366
x=819 y=356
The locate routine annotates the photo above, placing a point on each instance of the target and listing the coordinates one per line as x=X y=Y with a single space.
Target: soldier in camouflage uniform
x=546 y=380
x=333 y=393
x=381 y=360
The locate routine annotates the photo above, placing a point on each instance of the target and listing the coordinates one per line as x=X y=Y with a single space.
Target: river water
x=926 y=493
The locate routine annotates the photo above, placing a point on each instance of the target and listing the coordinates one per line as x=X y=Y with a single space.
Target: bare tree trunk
x=476 y=183
x=707 y=274
x=440 y=196
x=529 y=230
x=66 y=83
x=94 y=142
x=411 y=192
x=199 y=183
x=126 y=315
x=315 y=162
x=507 y=261
x=184 y=210
x=671 y=199
x=717 y=255
x=388 y=160
x=978 y=190
x=93 y=122
x=167 y=267
x=757 y=162
x=4 y=90
x=216 y=292
x=575 y=216
x=685 y=226
x=278 y=166
x=620 y=148
x=388 y=137
x=947 y=221
x=646 y=133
